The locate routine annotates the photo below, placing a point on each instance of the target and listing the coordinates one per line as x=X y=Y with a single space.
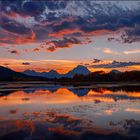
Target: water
x=42 y=111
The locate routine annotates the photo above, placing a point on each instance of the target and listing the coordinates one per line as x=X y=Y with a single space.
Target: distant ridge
x=78 y=74
x=51 y=74
x=79 y=70
x=7 y=74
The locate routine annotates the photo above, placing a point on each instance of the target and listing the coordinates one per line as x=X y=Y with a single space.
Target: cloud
x=26 y=63
x=131 y=52
x=6 y=64
x=65 y=32
x=96 y=60
x=115 y=64
x=23 y=8
x=55 y=5
x=55 y=20
x=8 y=38
x=13 y=111
x=109 y=51
x=13 y=26
x=33 y=8
x=64 y=43
x=132 y=35
x=114 y=39
x=36 y=49
x=14 y=51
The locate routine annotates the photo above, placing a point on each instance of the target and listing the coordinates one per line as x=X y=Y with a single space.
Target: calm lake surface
x=44 y=111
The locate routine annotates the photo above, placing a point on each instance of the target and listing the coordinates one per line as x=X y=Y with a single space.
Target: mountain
x=79 y=92
x=51 y=74
x=31 y=73
x=115 y=71
x=80 y=70
x=7 y=74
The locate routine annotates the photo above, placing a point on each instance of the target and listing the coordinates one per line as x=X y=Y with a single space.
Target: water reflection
x=48 y=111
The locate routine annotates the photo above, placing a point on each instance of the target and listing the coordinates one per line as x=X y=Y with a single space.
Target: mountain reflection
x=51 y=111
x=116 y=93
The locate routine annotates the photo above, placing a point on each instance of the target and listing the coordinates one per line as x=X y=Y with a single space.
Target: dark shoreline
x=73 y=82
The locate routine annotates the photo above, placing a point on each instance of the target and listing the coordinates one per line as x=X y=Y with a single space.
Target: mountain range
x=51 y=74
x=31 y=75
x=7 y=74
x=79 y=70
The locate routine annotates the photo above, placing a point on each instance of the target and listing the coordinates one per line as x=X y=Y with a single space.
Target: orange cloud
x=12 y=14
x=23 y=40
x=16 y=39
x=36 y=49
x=61 y=33
x=100 y=32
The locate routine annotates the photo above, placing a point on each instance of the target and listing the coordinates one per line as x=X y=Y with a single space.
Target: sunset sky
x=49 y=34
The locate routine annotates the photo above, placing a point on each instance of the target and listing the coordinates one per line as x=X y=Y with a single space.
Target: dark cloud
x=83 y=17
x=14 y=37
x=114 y=39
x=64 y=43
x=96 y=60
x=26 y=63
x=13 y=26
x=131 y=35
x=14 y=51
x=11 y=6
x=23 y=8
x=33 y=8
x=13 y=111
x=55 y=5
x=115 y=64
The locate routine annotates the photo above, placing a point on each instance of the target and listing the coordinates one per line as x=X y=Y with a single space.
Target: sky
x=49 y=34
